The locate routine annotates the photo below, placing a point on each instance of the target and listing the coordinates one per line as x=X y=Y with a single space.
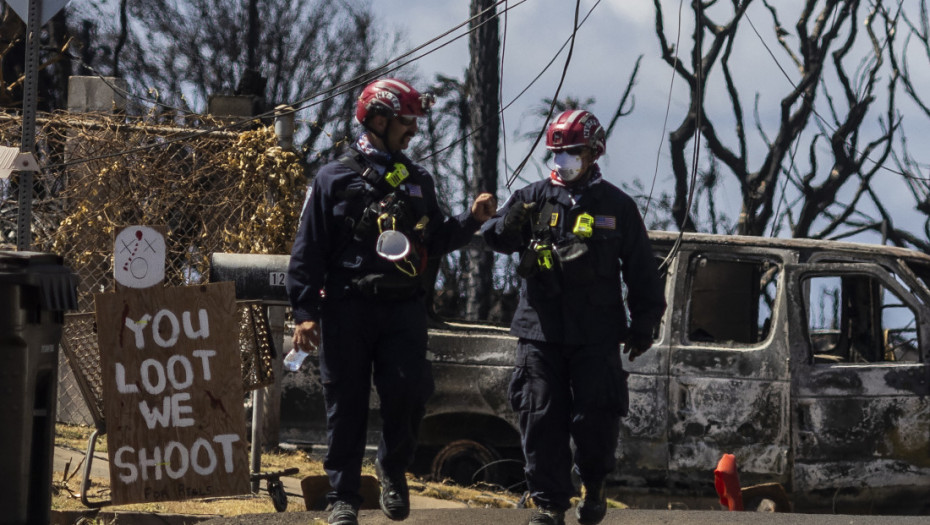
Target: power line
x=334 y=91
x=568 y=59
x=676 y=246
x=668 y=107
x=500 y=87
x=525 y=89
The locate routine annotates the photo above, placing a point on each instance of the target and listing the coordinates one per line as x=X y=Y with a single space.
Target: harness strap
x=379 y=191
x=541 y=222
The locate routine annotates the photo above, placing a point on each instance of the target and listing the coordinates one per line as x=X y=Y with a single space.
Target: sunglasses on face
x=406 y=121
x=577 y=150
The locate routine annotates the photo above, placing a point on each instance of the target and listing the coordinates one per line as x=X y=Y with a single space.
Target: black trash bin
x=35 y=290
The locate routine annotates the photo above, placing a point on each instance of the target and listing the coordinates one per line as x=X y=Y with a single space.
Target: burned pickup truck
x=807 y=360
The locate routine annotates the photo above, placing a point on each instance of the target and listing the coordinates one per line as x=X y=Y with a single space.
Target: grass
x=67 y=485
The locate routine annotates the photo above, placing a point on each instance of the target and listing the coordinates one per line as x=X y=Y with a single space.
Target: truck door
x=728 y=367
x=860 y=385
x=642 y=451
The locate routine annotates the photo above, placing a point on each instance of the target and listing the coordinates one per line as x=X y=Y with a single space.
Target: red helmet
x=391 y=97
x=573 y=128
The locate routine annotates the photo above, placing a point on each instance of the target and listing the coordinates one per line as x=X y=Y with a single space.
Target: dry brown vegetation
x=67 y=485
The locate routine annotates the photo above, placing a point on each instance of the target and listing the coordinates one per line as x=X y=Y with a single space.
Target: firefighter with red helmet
x=370 y=223
x=577 y=236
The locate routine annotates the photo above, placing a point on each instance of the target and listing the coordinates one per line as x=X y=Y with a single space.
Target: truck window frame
x=879 y=278
x=707 y=294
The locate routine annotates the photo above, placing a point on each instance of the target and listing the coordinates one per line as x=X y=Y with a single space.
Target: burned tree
x=482 y=86
x=840 y=76
x=307 y=53
x=916 y=174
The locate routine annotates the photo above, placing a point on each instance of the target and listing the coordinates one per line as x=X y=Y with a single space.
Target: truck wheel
x=466 y=462
x=766 y=497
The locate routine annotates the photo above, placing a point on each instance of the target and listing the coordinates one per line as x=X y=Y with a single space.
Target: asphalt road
x=427 y=511
x=614 y=517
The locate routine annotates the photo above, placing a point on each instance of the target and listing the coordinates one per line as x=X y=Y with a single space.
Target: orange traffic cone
x=726 y=481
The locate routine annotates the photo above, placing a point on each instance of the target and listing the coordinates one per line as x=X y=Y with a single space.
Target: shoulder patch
x=607 y=222
x=414 y=190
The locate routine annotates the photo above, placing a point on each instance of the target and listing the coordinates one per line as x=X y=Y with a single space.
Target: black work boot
x=547 y=517
x=343 y=513
x=593 y=505
x=395 y=497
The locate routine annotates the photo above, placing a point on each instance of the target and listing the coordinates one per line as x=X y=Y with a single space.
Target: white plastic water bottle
x=294 y=358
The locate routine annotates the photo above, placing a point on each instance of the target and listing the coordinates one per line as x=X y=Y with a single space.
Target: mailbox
x=258 y=277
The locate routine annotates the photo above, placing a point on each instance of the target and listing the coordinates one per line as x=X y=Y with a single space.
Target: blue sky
x=605 y=52
x=601 y=62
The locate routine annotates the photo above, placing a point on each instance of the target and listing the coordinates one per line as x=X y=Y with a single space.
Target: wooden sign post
x=173 y=398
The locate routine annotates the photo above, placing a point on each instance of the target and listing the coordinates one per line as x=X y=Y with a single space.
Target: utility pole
x=35 y=14
x=483 y=83
x=28 y=144
x=252 y=37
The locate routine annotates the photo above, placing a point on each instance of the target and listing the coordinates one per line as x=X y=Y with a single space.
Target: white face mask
x=567 y=166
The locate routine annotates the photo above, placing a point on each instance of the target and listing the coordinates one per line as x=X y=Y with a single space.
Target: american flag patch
x=414 y=190
x=605 y=221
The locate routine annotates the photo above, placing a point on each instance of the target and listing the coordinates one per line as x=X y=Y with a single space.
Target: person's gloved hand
x=636 y=345
x=517 y=216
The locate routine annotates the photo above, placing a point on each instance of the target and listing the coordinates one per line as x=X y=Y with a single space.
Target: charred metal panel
x=472 y=403
x=872 y=435
x=769 y=362
x=472 y=345
x=471 y=369
x=866 y=380
x=742 y=417
x=840 y=430
x=729 y=384
x=642 y=454
x=474 y=389
x=303 y=411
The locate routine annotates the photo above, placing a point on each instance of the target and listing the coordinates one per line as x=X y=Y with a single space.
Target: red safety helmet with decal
x=392 y=98
x=573 y=128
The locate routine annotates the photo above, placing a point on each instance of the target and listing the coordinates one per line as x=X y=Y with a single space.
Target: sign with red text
x=173 y=398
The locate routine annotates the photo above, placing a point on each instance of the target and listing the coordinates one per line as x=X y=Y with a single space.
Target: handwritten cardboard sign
x=172 y=393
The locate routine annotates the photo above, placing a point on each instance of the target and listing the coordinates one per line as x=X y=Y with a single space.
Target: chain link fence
x=213 y=191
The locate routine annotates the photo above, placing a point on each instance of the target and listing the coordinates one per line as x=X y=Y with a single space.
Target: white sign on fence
x=139 y=257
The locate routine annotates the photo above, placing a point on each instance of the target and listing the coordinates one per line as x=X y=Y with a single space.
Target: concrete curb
x=71 y=517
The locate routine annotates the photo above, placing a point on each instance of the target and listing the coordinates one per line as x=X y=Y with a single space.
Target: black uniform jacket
x=326 y=254
x=581 y=301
